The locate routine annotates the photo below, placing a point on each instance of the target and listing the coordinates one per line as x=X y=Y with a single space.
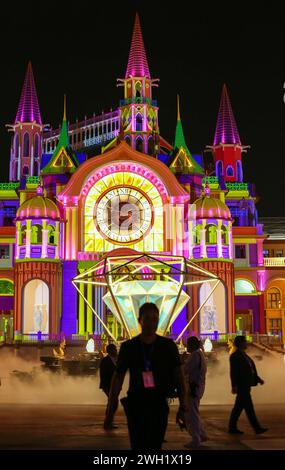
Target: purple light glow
x=226 y=130
x=28 y=110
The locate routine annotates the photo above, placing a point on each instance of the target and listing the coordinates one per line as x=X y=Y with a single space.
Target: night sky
x=83 y=48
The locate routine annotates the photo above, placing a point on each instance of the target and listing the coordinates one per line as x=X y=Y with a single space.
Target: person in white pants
x=195 y=370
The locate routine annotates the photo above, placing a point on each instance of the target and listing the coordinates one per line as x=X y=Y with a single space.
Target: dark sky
x=80 y=48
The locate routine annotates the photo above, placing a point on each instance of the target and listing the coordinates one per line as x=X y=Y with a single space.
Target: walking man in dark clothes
x=154 y=365
x=107 y=369
x=243 y=377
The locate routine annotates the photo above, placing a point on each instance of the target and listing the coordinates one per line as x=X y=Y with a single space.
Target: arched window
x=22 y=237
x=225 y=235
x=16 y=146
x=83 y=135
x=51 y=235
x=138 y=88
x=244 y=286
x=36 y=234
x=36 y=169
x=128 y=140
x=150 y=146
x=139 y=122
x=48 y=147
x=219 y=168
x=273 y=298
x=36 y=312
x=96 y=131
x=25 y=170
x=87 y=134
x=230 y=171
x=37 y=146
x=109 y=127
x=239 y=171
x=6 y=287
x=197 y=234
x=211 y=234
x=139 y=144
x=26 y=149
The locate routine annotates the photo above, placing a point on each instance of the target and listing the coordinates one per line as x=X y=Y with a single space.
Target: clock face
x=123 y=214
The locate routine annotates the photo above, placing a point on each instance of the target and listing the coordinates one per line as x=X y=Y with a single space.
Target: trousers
x=193 y=421
x=243 y=402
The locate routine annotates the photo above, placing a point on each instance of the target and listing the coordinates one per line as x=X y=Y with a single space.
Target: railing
x=38 y=338
x=237 y=186
x=9 y=186
x=279 y=261
x=210 y=179
x=138 y=101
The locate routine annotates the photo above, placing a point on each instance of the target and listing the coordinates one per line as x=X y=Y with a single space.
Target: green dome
x=38 y=207
x=210 y=208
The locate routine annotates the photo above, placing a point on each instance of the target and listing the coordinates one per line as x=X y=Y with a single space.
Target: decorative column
x=44 y=239
x=190 y=238
x=230 y=240
x=179 y=216
x=56 y=240
x=18 y=232
x=89 y=311
x=28 y=239
x=219 y=239
x=81 y=316
x=74 y=233
x=203 y=248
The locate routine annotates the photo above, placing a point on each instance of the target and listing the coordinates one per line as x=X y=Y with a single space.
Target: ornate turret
x=139 y=120
x=26 y=145
x=227 y=148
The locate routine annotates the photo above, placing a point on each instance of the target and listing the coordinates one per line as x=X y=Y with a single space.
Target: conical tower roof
x=226 y=129
x=29 y=110
x=137 y=63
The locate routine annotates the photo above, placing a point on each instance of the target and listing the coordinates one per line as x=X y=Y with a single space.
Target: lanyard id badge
x=148 y=379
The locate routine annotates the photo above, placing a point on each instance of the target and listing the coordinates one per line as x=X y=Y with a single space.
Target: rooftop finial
x=207 y=190
x=39 y=189
x=178 y=109
x=64 y=107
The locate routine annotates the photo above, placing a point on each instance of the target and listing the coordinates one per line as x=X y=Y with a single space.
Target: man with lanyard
x=243 y=377
x=154 y=365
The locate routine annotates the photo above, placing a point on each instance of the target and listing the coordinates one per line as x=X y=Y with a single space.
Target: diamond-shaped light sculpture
x=133 y=278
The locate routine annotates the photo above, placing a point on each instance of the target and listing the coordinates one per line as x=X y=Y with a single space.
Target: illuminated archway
x=36 y=307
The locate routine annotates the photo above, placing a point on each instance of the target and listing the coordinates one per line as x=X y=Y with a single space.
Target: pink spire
x=28 y=110
x=137 y=64
x=226 y=130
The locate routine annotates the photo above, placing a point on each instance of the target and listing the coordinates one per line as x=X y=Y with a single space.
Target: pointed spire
x=179 y=134
x=137 y=64
x=63 y=137
x=64 y=159
x=226 y=129
x=183 y=157
x=28 y=110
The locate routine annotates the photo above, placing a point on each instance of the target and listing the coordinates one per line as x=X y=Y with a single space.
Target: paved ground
x=75 y=427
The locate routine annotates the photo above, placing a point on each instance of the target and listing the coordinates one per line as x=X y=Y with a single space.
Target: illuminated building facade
x=113 y=183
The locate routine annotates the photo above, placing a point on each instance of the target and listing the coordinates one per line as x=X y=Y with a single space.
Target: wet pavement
x=80 y=427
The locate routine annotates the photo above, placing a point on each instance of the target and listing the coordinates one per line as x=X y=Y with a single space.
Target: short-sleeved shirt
x=162 y=358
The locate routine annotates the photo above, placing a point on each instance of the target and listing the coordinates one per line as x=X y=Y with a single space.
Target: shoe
x=235 y=431
x=110 y=427
x=261 y=430
x=191 y=445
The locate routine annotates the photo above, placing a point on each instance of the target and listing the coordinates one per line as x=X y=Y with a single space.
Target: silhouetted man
x=195 y=369
x=107 y=369
x=243 y=377
x=154 y=365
